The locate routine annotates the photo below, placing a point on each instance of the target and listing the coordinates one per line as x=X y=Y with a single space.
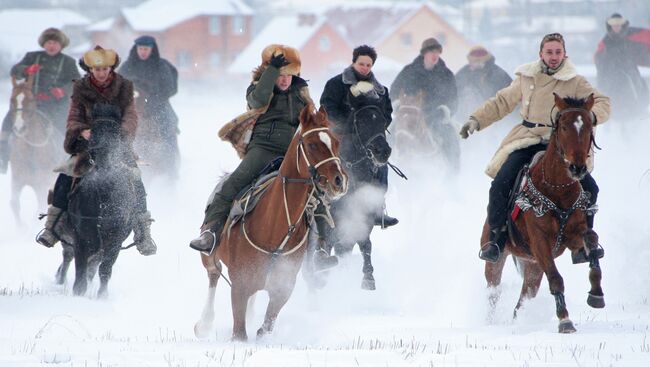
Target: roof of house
x=158 y=15
x=276 y=31
x=20 y=28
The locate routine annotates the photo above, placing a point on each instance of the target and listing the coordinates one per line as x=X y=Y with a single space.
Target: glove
x=57 y=92
x=470 y=126
x=278 y=61
x=32 y=69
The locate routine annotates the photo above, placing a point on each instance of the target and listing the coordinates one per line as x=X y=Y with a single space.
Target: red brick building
x=200 y=37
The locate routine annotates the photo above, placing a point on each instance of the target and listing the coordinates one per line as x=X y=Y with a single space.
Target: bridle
x=359 y=144
x=312 y=202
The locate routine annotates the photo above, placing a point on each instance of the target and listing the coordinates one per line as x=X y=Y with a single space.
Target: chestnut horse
x=264 y=250
x=36 y=146
x=552 y=213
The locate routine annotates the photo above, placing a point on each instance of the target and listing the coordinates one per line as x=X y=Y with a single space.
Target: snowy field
x=429 y=308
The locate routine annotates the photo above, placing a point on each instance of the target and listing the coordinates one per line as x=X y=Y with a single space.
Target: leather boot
x=56 y=228
x=384 y=221
x=492 y=249
x=592 y=247
x=208 y=240
x=322 y=258
x=142 y=234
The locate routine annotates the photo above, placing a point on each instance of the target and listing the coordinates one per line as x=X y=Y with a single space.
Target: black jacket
x=438 y=84
x=477 y=86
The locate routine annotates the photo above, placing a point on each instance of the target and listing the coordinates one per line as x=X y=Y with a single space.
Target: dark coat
x=275 y=128
x=57 y=71
x=156 y=81
x=617 y=61
x=339 y=101
x=477 y=86
x=84 y=96
x=438 y=84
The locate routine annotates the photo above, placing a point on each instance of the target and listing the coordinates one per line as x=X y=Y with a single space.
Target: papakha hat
x=101 y=57
x=291 y=54
x=53 y=34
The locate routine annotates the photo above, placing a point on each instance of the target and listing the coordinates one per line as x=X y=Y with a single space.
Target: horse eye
x=311 y=146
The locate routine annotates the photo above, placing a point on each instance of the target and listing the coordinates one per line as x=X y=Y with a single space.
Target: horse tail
x=519 y=265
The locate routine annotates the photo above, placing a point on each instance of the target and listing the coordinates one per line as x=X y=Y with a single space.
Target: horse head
x=573 y=133
x=318 y=151
x=22 y=102
x=105 y=144
x=366 y=137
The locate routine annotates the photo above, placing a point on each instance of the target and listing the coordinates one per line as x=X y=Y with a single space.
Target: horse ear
x=590 y=102
x=323 y=112
x=306 y=113
x=559 y=102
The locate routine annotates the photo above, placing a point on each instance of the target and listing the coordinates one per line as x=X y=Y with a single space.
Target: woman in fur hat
x=101 y=84
x=53 y=73
x=279 y=94
x=533 y=87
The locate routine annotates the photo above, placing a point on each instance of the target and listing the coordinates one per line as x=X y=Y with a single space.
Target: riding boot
x=208 y=240
x=322 y=258
x=142 y=234
x=55 y=228
x=4 y=152
x=492 y=249
x=383 y=220
x=592 y=247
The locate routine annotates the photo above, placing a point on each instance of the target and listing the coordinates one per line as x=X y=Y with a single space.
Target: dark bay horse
x=552 y=213
x=101 y=210
x=36 y=146
x=417 y=138
x=364 y=152
x=265 y=249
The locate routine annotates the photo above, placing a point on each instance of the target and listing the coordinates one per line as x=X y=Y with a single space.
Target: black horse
x=101 y=209
x=364 y=152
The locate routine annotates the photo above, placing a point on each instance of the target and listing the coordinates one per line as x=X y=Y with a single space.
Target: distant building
x=201 y=37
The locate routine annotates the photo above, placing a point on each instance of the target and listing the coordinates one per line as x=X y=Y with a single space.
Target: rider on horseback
x=533 y=86
x=358 y=80
x=278 y=94
x=53 y=73
x=428 y=73
x=101 y=85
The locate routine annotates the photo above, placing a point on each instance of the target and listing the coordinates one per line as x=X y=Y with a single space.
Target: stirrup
x=214 y=243
x=580 y=256
x=487 y=246
x=41 y=241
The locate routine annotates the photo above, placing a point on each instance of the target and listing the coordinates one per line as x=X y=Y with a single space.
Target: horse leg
x=204 y=325
x=556 y=285
x=80 y=264
x=93 y=264
x=239 y=295
x=108 y=258
x=368 y=282
x=533 y=275
x=596 y=298
x=62 y=271
x=14 y=202
x=278 y=297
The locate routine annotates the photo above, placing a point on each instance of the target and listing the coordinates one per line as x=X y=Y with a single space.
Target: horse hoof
x=202 y=330
x=566 y=327
x=261 y=333
x=239 y=338
x=368 y=284
x=596 y=301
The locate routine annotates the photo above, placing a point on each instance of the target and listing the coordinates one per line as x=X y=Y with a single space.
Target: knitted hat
x=290 y=54
x=148 y=41
x=100 y=57
x=430 y=44
x=478 y=54
x=53 y=34
x=616 y=19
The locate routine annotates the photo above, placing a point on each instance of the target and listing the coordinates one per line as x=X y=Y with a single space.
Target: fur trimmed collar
x=348 y=78
x=567 y=72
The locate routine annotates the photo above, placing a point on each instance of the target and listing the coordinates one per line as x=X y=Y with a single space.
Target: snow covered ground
x=429 y=307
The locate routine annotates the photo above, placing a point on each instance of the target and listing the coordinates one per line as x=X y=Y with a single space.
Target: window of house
x=324 y=43
x=238 y=24
x=184 y=60
x=406 y=39
x=214 y=25
x=215 y=60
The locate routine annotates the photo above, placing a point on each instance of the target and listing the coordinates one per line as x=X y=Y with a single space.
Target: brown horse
x=264 y=250
x=552 y=217
x=36 y=146
x=418 y=137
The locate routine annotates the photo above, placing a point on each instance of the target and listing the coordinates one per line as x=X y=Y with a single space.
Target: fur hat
x=616 y=19
x=430 y=44
x=478 y=54
x=53 y=34
x=99 y=57
x=291 y=54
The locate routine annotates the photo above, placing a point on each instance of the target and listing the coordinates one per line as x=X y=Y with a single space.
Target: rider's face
x=617 y=28
x=283 y=82
x=144 y=52
x=431 y=58
x=552 y=54
x=52 y=47
x=101 y=73
x=363 y=65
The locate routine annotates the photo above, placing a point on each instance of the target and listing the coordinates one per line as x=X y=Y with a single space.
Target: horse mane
x=106 y=111
x=575 y=102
